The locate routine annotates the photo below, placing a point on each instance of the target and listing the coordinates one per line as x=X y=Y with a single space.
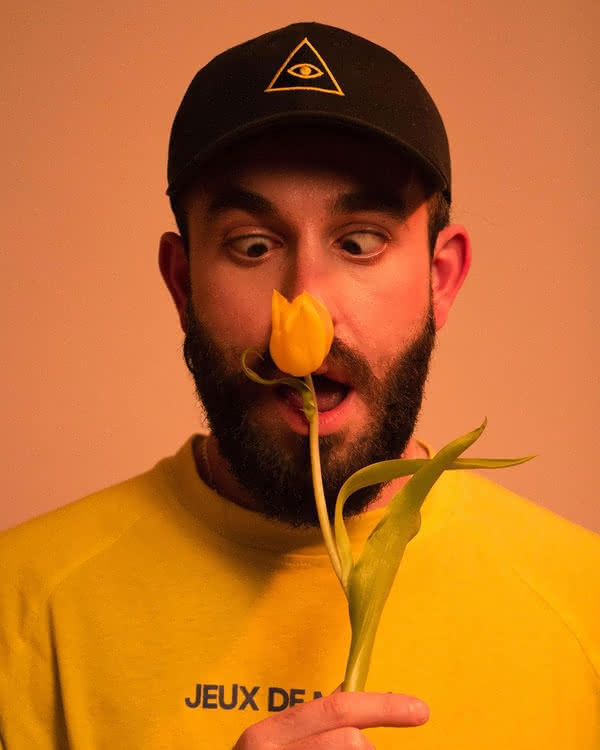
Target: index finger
x=353 y=709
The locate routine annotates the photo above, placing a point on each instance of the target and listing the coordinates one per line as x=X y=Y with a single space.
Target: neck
x=219 y=475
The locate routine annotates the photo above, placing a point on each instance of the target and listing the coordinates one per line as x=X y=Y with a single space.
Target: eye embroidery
x=308 y=67
x=305 y=71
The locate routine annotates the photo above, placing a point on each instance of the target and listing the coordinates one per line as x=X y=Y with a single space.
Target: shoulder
x=36 y=555
x=531 y=529
x=555 y=559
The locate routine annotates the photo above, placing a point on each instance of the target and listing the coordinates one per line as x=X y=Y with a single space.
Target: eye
x=305 y=70
x=251 y=246
x=363 y=244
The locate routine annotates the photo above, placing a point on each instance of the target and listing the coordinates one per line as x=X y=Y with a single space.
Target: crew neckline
x=248 y=528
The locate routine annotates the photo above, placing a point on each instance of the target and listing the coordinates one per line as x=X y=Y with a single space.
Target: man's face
x=338 y=217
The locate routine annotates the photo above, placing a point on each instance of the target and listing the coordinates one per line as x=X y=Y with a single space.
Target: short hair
x=438 y=214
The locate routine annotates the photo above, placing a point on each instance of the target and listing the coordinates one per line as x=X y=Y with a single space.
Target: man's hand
x=333 y=722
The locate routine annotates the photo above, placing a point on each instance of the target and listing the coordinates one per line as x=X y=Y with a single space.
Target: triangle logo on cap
x=304 y=70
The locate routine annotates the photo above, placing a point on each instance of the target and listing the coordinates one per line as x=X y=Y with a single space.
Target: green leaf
x=371 y=579
x=296 y=383
x=386 y=471
x=309 y=403
x=383 y=471
x=488 y=463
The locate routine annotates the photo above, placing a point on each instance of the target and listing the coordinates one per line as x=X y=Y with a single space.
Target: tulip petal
x=327 y=323
x=277 y=302
x=277 y=351
x=312 y=335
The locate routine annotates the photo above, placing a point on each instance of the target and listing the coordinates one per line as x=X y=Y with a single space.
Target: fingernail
x=419 y=710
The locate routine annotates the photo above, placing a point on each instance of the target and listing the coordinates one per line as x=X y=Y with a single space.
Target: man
x=194 y=605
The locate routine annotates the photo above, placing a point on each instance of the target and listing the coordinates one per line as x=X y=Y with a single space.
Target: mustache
x=340 y=357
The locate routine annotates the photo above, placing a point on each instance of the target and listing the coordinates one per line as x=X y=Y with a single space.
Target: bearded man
x=194 y=605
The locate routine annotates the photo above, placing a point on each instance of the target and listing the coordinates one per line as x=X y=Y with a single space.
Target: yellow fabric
x=116 y=607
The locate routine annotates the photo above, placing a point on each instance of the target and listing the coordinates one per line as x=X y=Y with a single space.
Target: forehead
x=351 y=157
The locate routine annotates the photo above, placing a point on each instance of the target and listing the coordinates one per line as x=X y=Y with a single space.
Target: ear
x=175 y=270
x=449 y=267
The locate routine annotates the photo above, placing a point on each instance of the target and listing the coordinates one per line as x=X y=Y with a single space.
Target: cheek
x=237 y=315
x=386 y=315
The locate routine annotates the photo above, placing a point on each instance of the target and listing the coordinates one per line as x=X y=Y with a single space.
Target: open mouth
x=329 y=392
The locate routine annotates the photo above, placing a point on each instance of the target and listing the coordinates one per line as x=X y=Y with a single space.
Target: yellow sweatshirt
x=157 y=614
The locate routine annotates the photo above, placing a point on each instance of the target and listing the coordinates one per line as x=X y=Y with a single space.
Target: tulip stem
x=315 y=461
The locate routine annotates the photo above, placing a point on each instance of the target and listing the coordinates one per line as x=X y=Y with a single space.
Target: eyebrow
x=232 y=197
x=379 y=200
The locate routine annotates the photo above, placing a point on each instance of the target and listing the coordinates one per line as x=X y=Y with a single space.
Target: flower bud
x=302 y=332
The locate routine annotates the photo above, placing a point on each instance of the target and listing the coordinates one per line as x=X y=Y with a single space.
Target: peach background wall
x=93 y=381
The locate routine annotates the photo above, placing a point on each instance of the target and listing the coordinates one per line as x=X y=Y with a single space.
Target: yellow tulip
x=302 y=332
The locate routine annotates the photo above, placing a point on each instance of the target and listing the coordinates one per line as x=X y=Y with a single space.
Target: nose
x=308 y=269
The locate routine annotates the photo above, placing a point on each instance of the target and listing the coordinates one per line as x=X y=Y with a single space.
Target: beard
x=277 y=472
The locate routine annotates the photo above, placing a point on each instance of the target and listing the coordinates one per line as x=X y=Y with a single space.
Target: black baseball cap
x=306 y=73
